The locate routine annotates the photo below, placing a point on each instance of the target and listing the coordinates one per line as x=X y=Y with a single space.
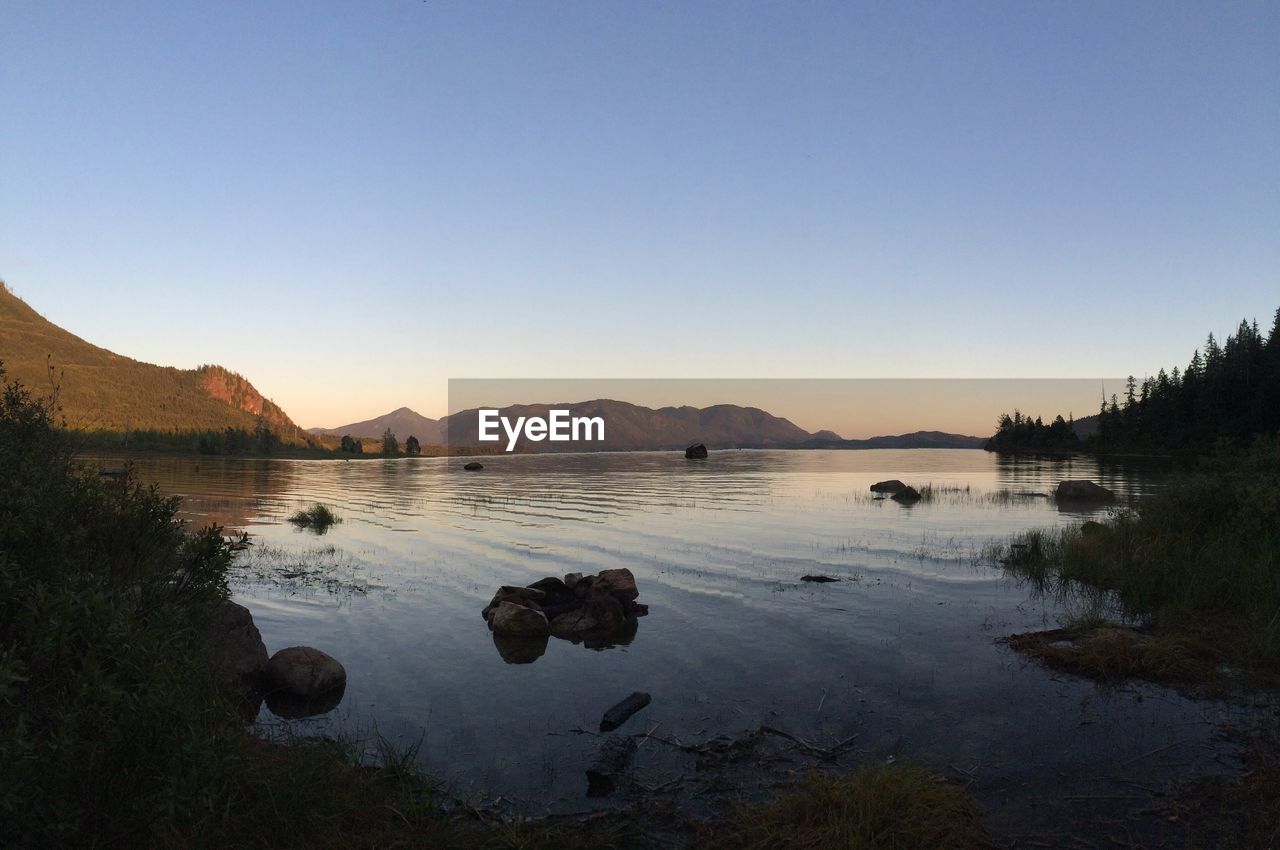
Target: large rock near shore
x=619 y=583
x=512 y=620
x=1083 y=491
x=235 y=642
x=305 y=671
x=696 y=452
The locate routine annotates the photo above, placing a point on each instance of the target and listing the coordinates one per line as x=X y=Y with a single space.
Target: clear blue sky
x=351 y=203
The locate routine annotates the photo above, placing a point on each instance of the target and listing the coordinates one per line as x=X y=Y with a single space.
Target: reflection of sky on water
x=902 y=651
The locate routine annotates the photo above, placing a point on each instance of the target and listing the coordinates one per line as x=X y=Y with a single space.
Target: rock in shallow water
x=305 y=671
x=906 y=496
x=621 y=713
x=1083 y=491
x=235 y=642
x=512 y=620
x=619 y=583
x=287 y=706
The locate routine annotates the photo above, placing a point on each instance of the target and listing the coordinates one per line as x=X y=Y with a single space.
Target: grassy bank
x=880 y=806
x=1200 y=560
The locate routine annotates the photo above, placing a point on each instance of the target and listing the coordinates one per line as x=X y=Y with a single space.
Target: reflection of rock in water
x=607 y=640
x=520 y=650
x=289 y=707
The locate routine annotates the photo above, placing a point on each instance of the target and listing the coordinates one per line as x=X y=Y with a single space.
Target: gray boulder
x=305 y=671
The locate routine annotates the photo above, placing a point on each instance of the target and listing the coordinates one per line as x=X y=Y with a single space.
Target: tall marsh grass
x=1202 y=553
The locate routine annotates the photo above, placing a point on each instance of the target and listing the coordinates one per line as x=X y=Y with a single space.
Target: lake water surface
x=902 y=652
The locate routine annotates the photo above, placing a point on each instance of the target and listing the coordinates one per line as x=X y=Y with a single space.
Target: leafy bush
x=107 y=705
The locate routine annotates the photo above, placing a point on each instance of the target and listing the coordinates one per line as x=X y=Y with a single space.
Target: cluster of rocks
x=573 y=607
x=298 y=681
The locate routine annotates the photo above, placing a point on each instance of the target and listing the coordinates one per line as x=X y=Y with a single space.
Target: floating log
x=621 y=713
x=611 y=763
x=818 y=579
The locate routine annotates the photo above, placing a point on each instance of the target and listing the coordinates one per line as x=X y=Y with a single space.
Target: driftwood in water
x=818 y=579
x=611 y=762
x=621 y=713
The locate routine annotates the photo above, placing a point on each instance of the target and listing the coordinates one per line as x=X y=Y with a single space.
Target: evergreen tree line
x=1228 y=391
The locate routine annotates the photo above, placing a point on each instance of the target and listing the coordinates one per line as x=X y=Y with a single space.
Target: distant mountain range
x=101 y=390
x=631 y=427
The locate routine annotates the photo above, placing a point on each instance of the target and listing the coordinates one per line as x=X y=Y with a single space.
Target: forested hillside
x=99 y=390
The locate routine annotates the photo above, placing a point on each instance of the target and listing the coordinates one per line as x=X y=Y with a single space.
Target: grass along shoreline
x=1198 y=562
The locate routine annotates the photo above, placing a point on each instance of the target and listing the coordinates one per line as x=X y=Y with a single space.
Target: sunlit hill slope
x=99 y=390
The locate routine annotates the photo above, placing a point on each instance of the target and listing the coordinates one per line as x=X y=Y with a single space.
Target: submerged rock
x=696 y=452
x=473 y=466
x=893 y=485
x=611 y=763
x=305 y=671
x=235 y=642
x=621 y=713
x=1083 y=491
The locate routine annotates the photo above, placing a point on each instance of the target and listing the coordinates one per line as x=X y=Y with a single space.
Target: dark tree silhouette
x=1229 y=392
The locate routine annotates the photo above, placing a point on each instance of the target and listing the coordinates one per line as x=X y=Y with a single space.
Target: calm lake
x=901 y=652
